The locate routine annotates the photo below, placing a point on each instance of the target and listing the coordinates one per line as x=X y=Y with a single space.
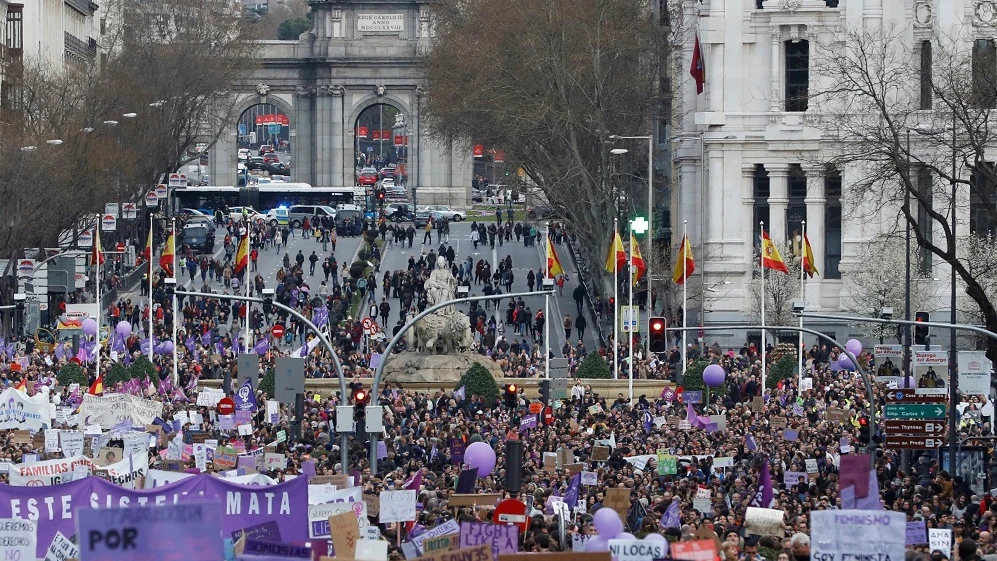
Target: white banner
x=397 y=506
x=112 y=409
x=318 y=516
x=209 y=397
x=853 y=534
x=931 y=372
x=49 y=472
x=18 y=411
x=974 y=372
x=158 y=478
x=126 y=472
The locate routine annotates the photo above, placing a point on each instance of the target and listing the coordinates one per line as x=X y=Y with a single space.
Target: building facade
x=60 y=32
x=741 y=151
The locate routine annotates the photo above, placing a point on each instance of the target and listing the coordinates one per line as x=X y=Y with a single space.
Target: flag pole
x=803 y=298
x=761 y=261
x=616 y=301
x=685 y=292
x=152 y=220
x=97 y=255
x=245 y=279
x=630 y=310
x=547 y=314
x=176 y=284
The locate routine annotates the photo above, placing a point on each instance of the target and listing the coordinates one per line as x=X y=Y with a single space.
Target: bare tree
x=873 y=98
x=549 y=81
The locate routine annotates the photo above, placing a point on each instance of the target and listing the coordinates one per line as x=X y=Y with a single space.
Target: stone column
x=748 y=211
x=425 y=147
x=323 y=137
x=778 y=201
x=336 y=154
x=715 y=85
x=816 y=206
x=303 y=143
x=775 y=32
x=715 y=209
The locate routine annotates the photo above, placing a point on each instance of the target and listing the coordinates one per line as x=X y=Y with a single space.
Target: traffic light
x=658 y=337
x=267 y=306
x=921 y=331
x=545 y=392
x=511 y=395
x=380 y=196
x=864 y=429
x=360 y=408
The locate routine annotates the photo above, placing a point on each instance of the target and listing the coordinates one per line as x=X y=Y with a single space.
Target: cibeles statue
x=445 y=331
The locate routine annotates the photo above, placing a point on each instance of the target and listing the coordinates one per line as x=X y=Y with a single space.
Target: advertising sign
x=931 y=372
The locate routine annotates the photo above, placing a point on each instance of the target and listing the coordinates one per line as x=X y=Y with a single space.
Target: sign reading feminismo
x=380 y=23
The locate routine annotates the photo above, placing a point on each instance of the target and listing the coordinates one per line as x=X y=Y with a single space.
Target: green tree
x=480 y=382
x=115 y=375
x=781 y=370
x=71 y=374
x=143 y=367
x=291 y=29
x=593 y=366
x=267 y=383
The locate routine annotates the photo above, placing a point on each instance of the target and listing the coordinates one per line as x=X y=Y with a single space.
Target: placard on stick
x=474 y=499
x=600 y=453
x=618 y=499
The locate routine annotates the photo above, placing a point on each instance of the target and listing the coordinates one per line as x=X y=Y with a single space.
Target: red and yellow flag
x=147 y=252
x=166 y=259
x=553 y=263
x=97 y=388
x=637 y=265
x=809 y=266
x=97 y=255
x=242 y=254
x=770 y=255
x=685 y=265
x=617 y=255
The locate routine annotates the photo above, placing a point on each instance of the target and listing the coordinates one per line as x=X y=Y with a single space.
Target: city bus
x=267 y=196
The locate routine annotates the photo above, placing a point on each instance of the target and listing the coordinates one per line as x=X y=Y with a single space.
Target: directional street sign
x=908 y=396
x=913 y=411
x=914 y=442
x=925 y=428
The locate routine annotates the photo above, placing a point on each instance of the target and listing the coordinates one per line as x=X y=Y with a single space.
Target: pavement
x=524 y=259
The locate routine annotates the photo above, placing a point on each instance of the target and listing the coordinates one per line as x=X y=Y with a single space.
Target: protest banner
x=139 y=533
x=940 y=539
x=852 y=534
x=128 y=471
x=917 y=533
x=500 y=538
x=764 y=521
x=636 y=550
x=448 y=528
x=113 y=409
x=318 y=516
x=62 y=549
x=794 y=477
x=345 y=532
x=18 y=539
x=695 y=550
x=397 y=506
x=49 y=472
x=261 y=549
x=20 y=412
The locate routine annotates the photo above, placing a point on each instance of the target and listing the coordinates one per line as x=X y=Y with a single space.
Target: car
x=191 y=212
x=387 y=182
x=243 y=154
x=477 y=196
x=540 y=212
x=353 y=215
x=368 y=169
x=236 y=214
x=297 y=214
x=399 y=212
x=387 y=171
x=421 y=217
x=270 y=158
x=266 y=149
x=200 y=236
x=278 y=168
x=447 y=212
x=200 y=219
x=256 y=163
x=367 y=179
x=278 y=216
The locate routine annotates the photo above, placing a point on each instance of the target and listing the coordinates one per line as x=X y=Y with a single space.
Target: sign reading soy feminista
x=839 y=535
x=380 y=23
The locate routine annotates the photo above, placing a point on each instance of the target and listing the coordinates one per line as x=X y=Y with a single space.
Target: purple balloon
x=854 y=346
x=124 y=329
x=596 y=544
x=845 y=363
x=658 y=538
x=607 y=523
x=167 y=347
x=89 y=327
x=625 y=536
x=482 y=456
x=714 y=375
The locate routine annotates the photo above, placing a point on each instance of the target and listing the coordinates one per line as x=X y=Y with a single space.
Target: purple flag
x=206 y=338
x=245 y=398
x=219 y=348
x=571 y=495
x=81 y=355
x=60 y=352
x=763 y=496
x=751 y=444
x=671 y=519
x=414 y=482
x=690 y=415
x=117 y=343
x=10 y=350
x=872 y=500
x=528 y=422
x=262 y=347
x=648 y=421
x=320 y=316
x=189 y=343
x=178 y=395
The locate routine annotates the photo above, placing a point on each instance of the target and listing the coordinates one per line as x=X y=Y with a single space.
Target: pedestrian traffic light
x=658 y=337
x=511 y=395
x=921 y=331
x=545 y=392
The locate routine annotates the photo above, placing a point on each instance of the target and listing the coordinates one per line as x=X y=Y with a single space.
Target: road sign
x=151 y=198
x=273 y=128
x=630 y=316
x=242 y=129
x=108 y=223
x=914 y=442
x=289 y=379
x=226 y=406
x=536 y=407
x=548 y=416
x=916 y=427
x=908 y=396
x=368 y=326
x=913 y=411
x=512 y=512
x=162 y=190
x=277 y=331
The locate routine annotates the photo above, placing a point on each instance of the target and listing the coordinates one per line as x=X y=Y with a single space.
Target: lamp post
x=650 y=202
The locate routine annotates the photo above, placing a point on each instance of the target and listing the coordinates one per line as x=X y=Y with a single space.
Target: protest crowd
x=774 y=473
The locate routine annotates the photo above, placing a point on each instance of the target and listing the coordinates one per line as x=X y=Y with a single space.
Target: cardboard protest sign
x=397 y=506
x=370 y=550
x=20 y=539
x=837 y=534
x=345 y=533
x=499 y=538
x=373 y=503
x=618 y=499
x=442 y=543
x=695 y=550
x=940 y=539
x=266 y=549
x=917 y=533
x=764 y=521
x=448 y=528
x=474 y=499
x=575 y=555
x=600 y=453
x=62 y=549
x=479 y=553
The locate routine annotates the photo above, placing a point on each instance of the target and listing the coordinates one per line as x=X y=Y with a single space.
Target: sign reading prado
x=378 y=23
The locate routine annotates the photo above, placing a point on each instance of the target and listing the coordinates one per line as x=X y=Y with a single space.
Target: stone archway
x=381 y=138
x=223 y=155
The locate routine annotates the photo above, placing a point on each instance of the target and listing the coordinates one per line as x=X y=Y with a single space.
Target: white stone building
x=750 y=127
x=60 y=32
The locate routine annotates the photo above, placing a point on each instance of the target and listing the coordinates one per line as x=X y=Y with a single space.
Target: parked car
x=399 y=212
x=297 y=214
x=236 y=214
x=447 y=212
x=200 y=236
x=367 y=179
x=189 y=212
x=243 y=154
x=256 y=163
x=266 y=149
x=422 y=216
x=277 y=216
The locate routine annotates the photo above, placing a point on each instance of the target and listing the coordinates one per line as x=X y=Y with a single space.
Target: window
x=925 y=194
x=925 y=75
x=984 y=72
x=832 y=225
x=760 y=192
x=797 y=75
x=796 y=211
x=831 y=3
x=103 y=26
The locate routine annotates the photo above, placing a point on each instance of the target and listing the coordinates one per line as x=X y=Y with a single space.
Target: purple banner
x=54 y=507
x=457 y=447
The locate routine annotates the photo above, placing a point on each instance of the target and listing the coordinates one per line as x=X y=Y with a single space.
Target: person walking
x=567 y=327
x=580 y=325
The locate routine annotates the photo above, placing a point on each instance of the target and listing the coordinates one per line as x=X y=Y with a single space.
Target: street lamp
x=130 y=115
x=111 y=123
x=28 y=148
x=158 y=104
x=53 y=142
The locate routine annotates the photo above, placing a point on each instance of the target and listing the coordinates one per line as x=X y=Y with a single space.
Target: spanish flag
x=770 y=255
x=242 y=254
x=617 y=255
x=98 y=386
x=637 y=265
x=147 y=252
x=809 y=266
x=553 y=263
x=22 y=385
x=166 y=259
x=97 y=257
x=685 y=265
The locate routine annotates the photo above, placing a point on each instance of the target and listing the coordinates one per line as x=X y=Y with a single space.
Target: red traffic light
x=359 y=396
x=512 y=388
x=863 y=421
x=657 y=325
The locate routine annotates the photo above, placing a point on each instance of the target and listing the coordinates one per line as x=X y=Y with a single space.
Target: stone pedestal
x=410 y=367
